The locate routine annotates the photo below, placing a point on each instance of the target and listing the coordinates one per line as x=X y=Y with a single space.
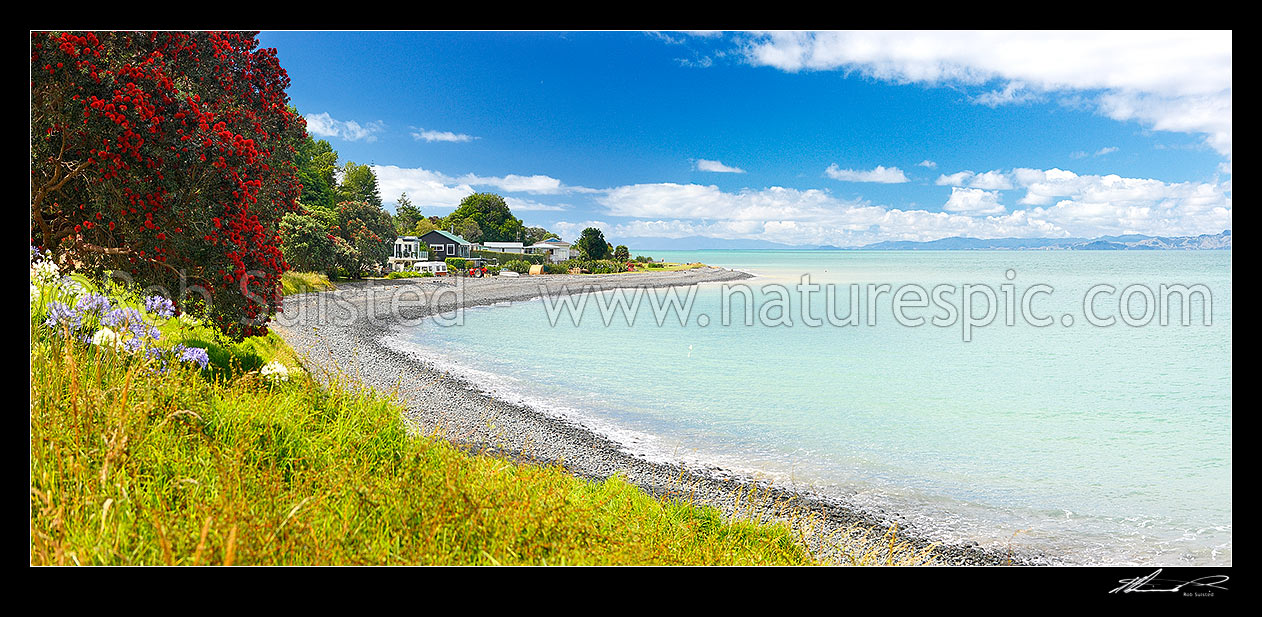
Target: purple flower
x=93 y=303
x=195 y=354
x=60 y=314
x=159 y=306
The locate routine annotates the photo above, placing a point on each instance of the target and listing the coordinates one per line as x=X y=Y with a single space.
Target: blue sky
x=797 y=138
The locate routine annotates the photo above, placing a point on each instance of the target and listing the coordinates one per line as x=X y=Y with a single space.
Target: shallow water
x=1097 y=444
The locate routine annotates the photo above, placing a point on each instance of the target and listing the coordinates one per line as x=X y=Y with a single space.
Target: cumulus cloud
x=883 y=175
x=716 y=166
x=323 y=125
x=425 y=186
x=973 y=201
x=420 y=134
x=927 y=164
x=1058 y=203
x=1170 y=81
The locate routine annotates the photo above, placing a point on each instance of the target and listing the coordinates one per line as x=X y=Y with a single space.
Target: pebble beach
x=342 y=335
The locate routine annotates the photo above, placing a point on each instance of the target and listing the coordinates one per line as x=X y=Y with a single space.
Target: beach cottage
x=444 y=244
x=557 y=250
x=408 y=251
x=505 y=247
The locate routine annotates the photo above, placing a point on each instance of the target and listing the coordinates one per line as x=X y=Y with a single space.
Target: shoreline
x=478 y=420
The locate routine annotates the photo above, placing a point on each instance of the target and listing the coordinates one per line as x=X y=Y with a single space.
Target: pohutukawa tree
x=168 y=156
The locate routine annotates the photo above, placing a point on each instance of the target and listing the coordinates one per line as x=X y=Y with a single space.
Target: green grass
x=303 y=282
x=129 y=466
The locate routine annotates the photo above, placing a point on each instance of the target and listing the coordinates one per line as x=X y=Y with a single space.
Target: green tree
x=317 y=167
x=535 y=235
x=592 y=245
x=492 y=215
x=369 y=230
x=621 y=253
x=423 y=227
x=469 y=230
x=406 y=215
x=359 y=183
x=306 y=243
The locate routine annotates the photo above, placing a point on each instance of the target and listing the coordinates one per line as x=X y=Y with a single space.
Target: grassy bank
x=223 y=466
x=303 y=282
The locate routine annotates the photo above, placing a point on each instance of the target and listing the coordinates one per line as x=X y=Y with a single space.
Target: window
x=451 y=248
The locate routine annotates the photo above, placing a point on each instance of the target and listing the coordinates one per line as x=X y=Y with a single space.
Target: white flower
x=106 y=337
x=44 y=271
x=275 y=371
x=34 y=294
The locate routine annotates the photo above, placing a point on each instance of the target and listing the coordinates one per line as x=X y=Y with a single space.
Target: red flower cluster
x=175 y=149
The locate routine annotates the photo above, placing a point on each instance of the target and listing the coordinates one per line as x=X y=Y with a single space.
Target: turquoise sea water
x=1096 y=444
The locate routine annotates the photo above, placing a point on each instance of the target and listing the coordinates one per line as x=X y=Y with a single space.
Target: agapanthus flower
x=196 y=355
x=274 y=371
x=93 y=302
x=106 y=337
x=61 y=315
x=159 y=306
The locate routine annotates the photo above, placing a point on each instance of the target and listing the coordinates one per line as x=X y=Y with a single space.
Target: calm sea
x=1095 y=443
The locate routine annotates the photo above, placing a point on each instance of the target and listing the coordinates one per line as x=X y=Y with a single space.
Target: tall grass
x=132 y=466
x=302 y=282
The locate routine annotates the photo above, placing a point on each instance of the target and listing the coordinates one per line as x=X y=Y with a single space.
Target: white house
x=407 y=254
x=505 y=247
x=556 y=250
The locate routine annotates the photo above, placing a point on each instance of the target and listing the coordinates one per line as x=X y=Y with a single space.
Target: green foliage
x=621 y=253
x=409 y=274
x=369 y=230
x=406 y=216
x=306 y=244
x=535 y=235
x=491 y=213
x=359 y=183
x=592 y=245
x=317 y=164
x=132 y=467
x=422 y=227
x=295 y=282
x=597 y=266
x=456 y=263
x=555 y=269
x=501 y=257
x=469 y=230
x=518 y=266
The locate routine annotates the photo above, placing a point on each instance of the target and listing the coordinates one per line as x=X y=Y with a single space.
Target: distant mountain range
x=1130 y=242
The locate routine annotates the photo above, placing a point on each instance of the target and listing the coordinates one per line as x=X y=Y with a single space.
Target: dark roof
x=449 y=236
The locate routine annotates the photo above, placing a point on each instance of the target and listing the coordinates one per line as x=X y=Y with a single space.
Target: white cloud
x=1171 y=81
x=425 y=186
x=928 y=164
x=973 y=201
x=527 y=205
x=716 y=166
x=884 y=175
x=1059 y=204
x=421 y=134
x=323 y=125
x=955 y=179
x=991 y=180
x=1106 y=150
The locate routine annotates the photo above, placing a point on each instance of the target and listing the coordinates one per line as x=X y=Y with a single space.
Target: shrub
x=167 y=156
x=518 y=266
x=502 y=258
x=456 y=264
